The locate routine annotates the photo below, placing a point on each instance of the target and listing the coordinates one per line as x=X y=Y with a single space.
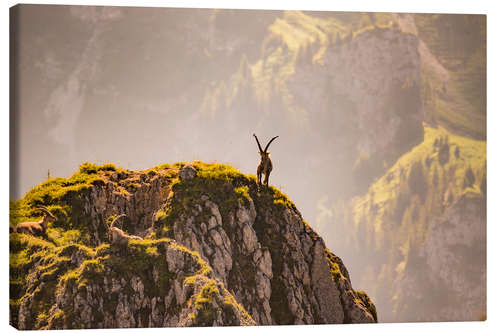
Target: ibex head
x=47 y=215
x=112 y=227
x=116 y=219
x=264 y=154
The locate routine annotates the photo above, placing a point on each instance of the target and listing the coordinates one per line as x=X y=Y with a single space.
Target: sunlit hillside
x=388 y=112
x=394 y=220
x=456 y=94
x=381 y=119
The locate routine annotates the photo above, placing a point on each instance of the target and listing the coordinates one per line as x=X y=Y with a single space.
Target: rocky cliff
x=215 y=251
x=416 y=229
x=455 y=238
x=367 y=100
x=353 y=94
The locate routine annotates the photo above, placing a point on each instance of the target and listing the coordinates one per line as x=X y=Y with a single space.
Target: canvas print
x=199 y=167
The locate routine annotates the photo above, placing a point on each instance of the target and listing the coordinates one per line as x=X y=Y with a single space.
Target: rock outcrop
x=355 y=97
x=419 y=241
x=451 y=264
x=151 y=284
x=380 y=88
x=216 y=252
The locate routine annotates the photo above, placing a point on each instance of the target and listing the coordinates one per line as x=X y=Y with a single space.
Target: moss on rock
x=62 y=279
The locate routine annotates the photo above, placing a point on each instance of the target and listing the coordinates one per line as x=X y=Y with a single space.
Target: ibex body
x=36 y=228
x=266 y=165
x=118 y=236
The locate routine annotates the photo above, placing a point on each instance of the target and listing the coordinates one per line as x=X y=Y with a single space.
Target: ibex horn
x=45 y=209
x=265 y=150
x=116 y=219
x=258 y=143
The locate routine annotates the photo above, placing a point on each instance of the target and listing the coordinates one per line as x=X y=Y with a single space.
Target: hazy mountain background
x=381 y=118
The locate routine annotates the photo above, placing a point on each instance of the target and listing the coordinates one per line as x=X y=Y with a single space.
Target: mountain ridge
x=215 y=251
x=414 y=223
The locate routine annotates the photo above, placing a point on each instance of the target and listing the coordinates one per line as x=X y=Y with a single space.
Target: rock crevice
x=216 y=251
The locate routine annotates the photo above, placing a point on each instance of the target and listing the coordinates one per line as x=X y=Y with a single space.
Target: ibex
x=265 y=166
x=36 y=228
x=118 y=236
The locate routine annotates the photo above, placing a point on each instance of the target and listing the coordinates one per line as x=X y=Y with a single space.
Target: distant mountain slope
x=413 y=229
x=216 y=251
x=354 y=98
x=370 y=109
x=375 y=106
x=455 y=94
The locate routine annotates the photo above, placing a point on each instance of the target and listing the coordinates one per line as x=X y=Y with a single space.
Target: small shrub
x=417 y=181
x=160 y=215
x=483 y=184
x=91 y=168
x=444 y=153
x=469 y=179
x=243 y=193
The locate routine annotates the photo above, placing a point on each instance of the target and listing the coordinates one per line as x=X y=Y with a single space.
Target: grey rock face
x=139 y=202
x=362 y=73
x=207 y=259
x=187 y=172
x=190 y=296
x=458 y=236
x=276 y=266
